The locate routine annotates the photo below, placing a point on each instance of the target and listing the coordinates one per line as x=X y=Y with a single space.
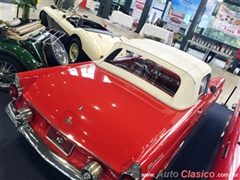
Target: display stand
x=155 y=31
x=208 y=50
x=122 y=19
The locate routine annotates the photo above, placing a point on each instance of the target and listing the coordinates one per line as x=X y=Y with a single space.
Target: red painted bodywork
x=226 y=165
x=115 y=122
x=140 y=6
x=175 y=19
x=237 y=55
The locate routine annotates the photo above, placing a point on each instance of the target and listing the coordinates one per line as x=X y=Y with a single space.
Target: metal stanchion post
x=225 y=104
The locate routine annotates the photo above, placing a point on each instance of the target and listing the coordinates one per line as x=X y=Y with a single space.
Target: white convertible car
x=86 y=39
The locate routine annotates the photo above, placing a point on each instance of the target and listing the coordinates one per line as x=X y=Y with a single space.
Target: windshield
x=67 y=5
x=147 y=69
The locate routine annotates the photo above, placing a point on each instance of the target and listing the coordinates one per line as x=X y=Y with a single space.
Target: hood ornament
x=68 y=120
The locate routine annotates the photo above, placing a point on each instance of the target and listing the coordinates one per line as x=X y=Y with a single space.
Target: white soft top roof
x=171 y=55
x=190 y=69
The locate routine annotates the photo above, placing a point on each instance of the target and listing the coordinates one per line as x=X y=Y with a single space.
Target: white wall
x=8 y=11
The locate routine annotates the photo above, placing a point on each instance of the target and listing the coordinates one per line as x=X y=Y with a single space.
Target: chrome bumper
x=51 y=157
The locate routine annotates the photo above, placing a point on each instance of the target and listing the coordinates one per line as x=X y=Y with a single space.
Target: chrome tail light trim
x=18 y=85
x=134 y=171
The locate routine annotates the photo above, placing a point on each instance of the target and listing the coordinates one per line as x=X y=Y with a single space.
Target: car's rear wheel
x=8 y=68
x=76 y=52
x=75 y=49
x=55 y=52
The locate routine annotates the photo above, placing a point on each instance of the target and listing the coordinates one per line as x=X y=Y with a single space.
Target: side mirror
x=234 y=106
x=213 y=89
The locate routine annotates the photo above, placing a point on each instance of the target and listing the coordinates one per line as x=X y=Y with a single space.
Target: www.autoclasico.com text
x=189 y=174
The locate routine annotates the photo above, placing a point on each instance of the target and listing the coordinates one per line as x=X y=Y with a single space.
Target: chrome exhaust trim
x=92 y=171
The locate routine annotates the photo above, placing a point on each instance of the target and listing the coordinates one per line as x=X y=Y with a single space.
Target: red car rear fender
x=218 y=82
x=28 y=78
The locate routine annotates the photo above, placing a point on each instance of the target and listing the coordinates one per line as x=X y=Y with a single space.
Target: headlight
x=133 y=173
x=92 y=171
x=15 y=90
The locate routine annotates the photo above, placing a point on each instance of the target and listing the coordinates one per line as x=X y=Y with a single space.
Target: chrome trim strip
x=48 y=155
x=18 y=85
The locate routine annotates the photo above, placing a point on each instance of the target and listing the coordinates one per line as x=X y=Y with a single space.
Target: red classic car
x=140 y=6
x=226 y=165
x=122 y=117
x=175 y=20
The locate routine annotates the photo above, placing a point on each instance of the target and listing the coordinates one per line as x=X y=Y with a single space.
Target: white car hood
x=105 y=41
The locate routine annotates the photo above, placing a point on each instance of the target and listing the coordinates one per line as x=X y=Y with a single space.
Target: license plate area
x=61 y=142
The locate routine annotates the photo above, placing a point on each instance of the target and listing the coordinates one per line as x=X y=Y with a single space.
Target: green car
x=28 y=45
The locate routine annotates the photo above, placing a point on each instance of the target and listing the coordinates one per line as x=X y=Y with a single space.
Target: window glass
x=121 y=2
x=203 y=86
x=146 y=69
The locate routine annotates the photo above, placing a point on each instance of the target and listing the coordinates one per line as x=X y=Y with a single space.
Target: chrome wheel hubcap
x=59 y=53
x=73 y=51
x=7 y=74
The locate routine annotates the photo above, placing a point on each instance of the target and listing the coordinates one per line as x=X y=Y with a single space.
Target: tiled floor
x=9 y=11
